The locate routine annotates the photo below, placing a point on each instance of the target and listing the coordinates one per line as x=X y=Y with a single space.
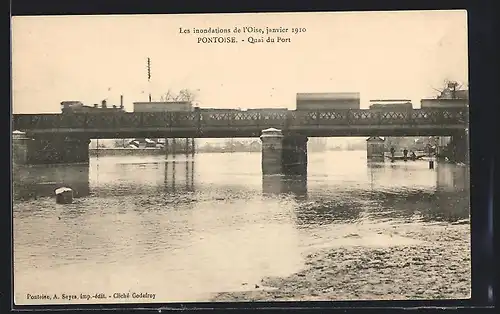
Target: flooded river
x=147 y=229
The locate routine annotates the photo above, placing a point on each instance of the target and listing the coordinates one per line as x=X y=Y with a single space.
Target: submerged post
x=272 y=147
x=174 y=147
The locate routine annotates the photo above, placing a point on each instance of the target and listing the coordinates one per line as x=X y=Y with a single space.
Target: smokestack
x=121 y=101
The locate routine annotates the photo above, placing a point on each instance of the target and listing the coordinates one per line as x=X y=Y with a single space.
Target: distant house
x=375 y=147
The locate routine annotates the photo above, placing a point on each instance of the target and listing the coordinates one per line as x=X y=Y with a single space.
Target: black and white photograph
x=240 y=157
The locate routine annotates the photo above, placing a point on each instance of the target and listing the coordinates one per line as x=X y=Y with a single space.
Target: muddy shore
x=437 y=267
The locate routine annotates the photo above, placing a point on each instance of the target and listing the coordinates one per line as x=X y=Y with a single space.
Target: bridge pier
x=283 y=154
x=272 y=148
x=458 y=148
x=20 y=148
x=58 y=150
x=294 y=155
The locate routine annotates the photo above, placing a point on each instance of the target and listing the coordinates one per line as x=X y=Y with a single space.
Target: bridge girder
x=232 y=124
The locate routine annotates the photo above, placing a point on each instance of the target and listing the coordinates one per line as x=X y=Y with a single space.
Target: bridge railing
x=242 y=118
x=233 y=118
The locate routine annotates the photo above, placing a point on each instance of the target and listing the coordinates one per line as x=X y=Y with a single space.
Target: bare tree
x=449 y=89
x=182 y=95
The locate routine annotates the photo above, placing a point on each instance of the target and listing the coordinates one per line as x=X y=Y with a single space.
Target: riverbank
x=118 y=151
x=125 y=151
x=435 y=266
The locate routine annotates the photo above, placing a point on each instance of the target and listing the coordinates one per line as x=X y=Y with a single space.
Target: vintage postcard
x=240 y=157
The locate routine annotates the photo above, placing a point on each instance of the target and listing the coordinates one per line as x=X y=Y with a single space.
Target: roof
x=444 y=99
x=375 y=138
x=391 y=100
x=161 y=102
x=327 y=96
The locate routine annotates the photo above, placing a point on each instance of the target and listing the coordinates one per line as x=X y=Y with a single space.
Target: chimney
x=121 y=101
x=103 y=103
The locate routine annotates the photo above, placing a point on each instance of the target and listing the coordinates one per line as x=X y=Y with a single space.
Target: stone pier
x=58 y=150
x=458 y=148
x=294 y=155
x=283 y=154
x=272 y=150
x=20 y=148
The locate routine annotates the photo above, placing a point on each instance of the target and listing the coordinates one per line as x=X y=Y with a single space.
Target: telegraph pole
x=149 y=78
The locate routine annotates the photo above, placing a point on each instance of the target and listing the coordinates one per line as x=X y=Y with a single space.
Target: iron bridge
x=233 y=123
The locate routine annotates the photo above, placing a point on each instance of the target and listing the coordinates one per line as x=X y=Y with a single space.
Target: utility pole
x=149 y=78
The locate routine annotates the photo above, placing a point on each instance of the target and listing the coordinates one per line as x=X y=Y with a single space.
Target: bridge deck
x=417 y=122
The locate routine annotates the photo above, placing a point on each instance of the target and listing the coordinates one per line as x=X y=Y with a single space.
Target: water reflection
x=281 y=184
x=41 y=181
x=219 y=232
x=326 y=211
x=142 y=175
x=412 y=191
x=179 y=175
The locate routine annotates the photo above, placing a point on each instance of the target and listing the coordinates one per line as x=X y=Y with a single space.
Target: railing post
x=442 y=116
x=198 y=122
x=141 y=119
x=85 y=117
x=411 y=112
x=287 y=120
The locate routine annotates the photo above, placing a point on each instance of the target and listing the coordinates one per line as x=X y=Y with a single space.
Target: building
x=325 y=101
x=375 y=147
x=163 y=106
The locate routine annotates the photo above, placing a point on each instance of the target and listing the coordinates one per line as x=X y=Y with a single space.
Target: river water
x=187 y=228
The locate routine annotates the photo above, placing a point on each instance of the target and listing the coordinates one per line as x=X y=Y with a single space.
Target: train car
x=76 y=107
x=219 y=110
x=268 y=110
x=327 y=101
x=443 y=103
x=391 y=104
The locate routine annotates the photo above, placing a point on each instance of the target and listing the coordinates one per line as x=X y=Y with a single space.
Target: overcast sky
x=90 y=58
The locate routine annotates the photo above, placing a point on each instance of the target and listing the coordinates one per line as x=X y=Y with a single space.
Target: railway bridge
x=64 y=138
